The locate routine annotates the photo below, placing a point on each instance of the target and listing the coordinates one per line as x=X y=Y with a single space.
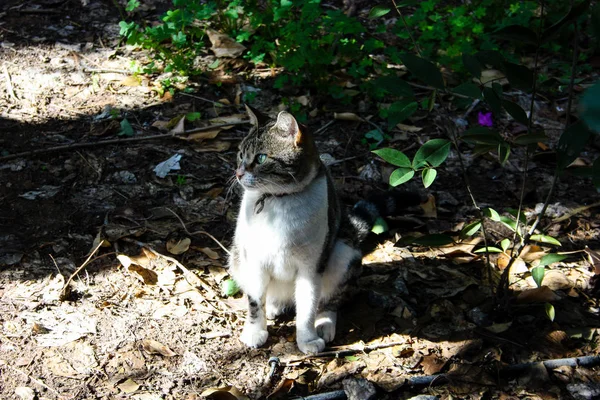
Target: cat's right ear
x=256 y=117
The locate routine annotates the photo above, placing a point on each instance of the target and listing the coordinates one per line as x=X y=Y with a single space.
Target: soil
x=111 y=276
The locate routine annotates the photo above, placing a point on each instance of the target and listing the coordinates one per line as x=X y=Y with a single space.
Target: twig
x=106 y=71
x=39 y=382
x=197 y=232
x=65 y=289
x=417 y=50
x=115 y=141
x=344 y=351
x=327 y=125
x=575 y=211
x=214 y=103
x=9 y=85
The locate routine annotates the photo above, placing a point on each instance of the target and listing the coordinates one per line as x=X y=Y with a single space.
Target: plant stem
x=414 y=42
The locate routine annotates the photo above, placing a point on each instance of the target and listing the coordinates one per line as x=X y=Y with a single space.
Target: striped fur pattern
x=293 y=247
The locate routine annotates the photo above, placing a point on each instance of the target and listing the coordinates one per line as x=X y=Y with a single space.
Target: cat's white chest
x=287 y=234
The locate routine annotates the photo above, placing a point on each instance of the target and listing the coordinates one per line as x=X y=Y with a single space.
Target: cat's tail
x=365 y=213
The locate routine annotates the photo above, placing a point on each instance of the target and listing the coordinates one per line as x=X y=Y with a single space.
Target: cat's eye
x=261 y=158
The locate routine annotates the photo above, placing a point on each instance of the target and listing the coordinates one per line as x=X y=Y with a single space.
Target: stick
x=115 y=141
x=575 y=211
x=9 y=86
x=39 y=382
x=63 y=293
x=197 y=232
x=344 y=351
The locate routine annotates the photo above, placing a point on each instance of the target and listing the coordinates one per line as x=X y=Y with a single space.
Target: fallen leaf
x=224 y=393
x=492 y=75
x=542 y=294
x=429 y=207
x=594 y=257
x=147 y=276
x=347 y=117
x=58 y=366
x=201 y=136
x=131 y=80
x=282 y=391
x=178 y=246
x=155 y=347
x=213 y=145
x=432 y=364
x=409 y=128
x=213 y=255
x=223 y=45
x=129 y=386
x=25 y=393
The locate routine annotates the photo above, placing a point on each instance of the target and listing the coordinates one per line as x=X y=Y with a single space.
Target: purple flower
x=485 y=119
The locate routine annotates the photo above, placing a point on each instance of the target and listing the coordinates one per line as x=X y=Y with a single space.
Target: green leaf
x=401 y=110
x=351 y=358
x=193 y=116
x=516 y=111
x=394 y=85
x=491 y=214
x=550 y=311
x=493 y=100
x=428 y=175
x=537 y=274
x=571 y=143
x=519 y=76
x=394 y=157
x=434 y=240
x=517 y=33
x=590 y=104
x=509 y=222
x=482 y=135
x=378 y=11
x=468 y=89
x=434 y=152
x=401 y=175
x=545 y=239
x=514 y=212
x=488 y=249
x=470 y=229
x=214 y=64
x=503 y=152
x=530 y=138
x=574 y=13
x=229 y=287
x=423 y=70
x=472 y=65
x=551 y=259
x=504 y=244
x=379 y=226
x=132 y=5
x=126 y=128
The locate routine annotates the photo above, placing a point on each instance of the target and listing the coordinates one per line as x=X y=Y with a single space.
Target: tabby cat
x=293 y=246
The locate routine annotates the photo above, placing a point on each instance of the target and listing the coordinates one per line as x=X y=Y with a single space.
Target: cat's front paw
x=312 y=346
x=254 y=336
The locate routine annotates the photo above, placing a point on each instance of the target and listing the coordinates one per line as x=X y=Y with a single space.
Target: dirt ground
x=110 y=282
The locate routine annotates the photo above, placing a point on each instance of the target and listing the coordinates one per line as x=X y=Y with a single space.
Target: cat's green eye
x=261 y=158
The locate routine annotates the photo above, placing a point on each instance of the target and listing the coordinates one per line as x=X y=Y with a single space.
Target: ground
x=111 y=275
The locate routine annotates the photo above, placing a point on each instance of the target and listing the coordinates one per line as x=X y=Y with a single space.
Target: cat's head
x=277 y=156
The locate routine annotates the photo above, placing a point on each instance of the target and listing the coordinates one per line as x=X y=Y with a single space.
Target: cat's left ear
x=288 y=126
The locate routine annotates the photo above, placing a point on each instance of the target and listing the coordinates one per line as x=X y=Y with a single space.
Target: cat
x=293 y=245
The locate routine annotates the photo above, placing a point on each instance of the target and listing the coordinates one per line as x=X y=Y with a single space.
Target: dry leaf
x=409 y=128
x=179 y=128
x=432 y=364
x=131 y=80
x=60 y=367
x=224 y=393
x=129 y=386
x=594 y=257
x=492 y=75
x=201 y=136
x=25 y=393
x=429 y=207
x=178 y=246
x=213 y=145
x=282 y=391
x=347 y=117
x=148 y=276
x=541 y=294
x=213 y=255
x=223 y=45
x=234 y=118
x=154 y=347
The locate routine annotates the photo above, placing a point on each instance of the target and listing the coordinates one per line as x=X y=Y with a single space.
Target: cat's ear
x=256 y=117
x=288 y=126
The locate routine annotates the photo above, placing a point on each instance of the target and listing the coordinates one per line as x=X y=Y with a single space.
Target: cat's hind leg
x=344 y=263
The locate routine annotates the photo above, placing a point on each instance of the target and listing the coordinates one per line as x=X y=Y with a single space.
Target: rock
x=380 y=300
x=400 y=286
x=125 y=177
x=359 y=389
x=478 y=317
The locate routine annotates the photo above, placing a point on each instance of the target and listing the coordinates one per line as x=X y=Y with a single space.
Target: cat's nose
x=240 y=172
